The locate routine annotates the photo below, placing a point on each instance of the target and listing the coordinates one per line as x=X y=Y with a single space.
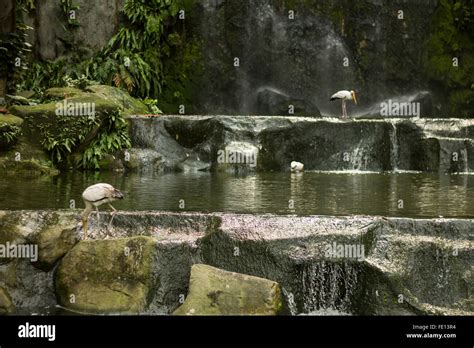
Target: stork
x=296 y=167
x=344 y=96
x=96 y=195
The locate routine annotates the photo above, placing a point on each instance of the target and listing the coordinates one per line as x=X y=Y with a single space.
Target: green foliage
x=14 y=48
x=68 y=7
x=133 y=58
x=81 y=82
x=44 y=75
x=9 y=134
x=452 y=37
x=113 y=136
x=70 y=135
x=152 y=105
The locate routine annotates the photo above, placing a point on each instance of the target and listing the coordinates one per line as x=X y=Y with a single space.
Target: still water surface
x=402 y=194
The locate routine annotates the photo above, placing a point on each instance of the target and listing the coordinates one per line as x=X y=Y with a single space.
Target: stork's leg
x=85 y=226
x=114 y=211
x=344 y=111
x=342 y=106
x=98 y=217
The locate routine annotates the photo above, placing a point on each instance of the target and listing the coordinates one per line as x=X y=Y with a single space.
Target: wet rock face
x=107 y=276
x=98 y=22
x=6 y=304
x=216 y=292
x=309 y=53
x=178 y=143
x=358 y=265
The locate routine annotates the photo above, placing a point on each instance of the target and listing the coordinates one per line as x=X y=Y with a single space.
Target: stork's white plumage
x=96 y=195
x=296 y=167
x=344 y=96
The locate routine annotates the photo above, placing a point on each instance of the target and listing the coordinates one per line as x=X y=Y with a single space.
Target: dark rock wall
x=409 y=266
x=169 y=143
x=382 y=49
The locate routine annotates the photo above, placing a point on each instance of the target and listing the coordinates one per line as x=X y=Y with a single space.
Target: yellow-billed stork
x=343 y=96
x=96 y=195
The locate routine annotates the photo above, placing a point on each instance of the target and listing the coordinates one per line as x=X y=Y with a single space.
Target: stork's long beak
x=354 y=97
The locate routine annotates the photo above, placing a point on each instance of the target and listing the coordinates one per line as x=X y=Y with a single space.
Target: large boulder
x=213 y=291
x=10 y=233
x=108 y=276
x=10 y=119
x=63 y=92
x=53 y=243
x=120 y=98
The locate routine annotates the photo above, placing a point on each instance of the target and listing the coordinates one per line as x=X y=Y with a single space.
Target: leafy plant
x=9 y=134
x=14 y=48
x=69 y=9
x=82 y=82
x=112 y=137
x=152 y=105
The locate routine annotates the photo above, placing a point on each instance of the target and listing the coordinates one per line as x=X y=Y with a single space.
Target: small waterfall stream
x=328 y=286
x=394 y=147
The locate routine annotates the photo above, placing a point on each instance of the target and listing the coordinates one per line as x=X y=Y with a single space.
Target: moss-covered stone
x=9 y=232
x=53 y=243
x=6 y=304
x=120 y=98
x=213 y=291
x=108 y=276
x=44 y=111
x=10 y=130
x=31 y=167
x=11 y=119
x=63 y=92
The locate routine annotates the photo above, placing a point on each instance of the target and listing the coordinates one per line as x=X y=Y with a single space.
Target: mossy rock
x=11 y=120
x=53 y=243
x=6 y=304
x=108 y=276
x=119 y=97
x=213 y=291
x=9 y=233
x=30 y=167
x=10 y=130
x=45 y=111
x=63 y=92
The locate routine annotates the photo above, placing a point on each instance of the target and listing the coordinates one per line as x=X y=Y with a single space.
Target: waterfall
x=296 y=57
x=394 y=147
x=328 y=285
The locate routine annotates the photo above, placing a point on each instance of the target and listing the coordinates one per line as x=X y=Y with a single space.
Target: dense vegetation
x=453 y=39
x=147 y=57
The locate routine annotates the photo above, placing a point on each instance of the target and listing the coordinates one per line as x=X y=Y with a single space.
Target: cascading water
x=296 y=57
x=327 y=285
x=394 y=147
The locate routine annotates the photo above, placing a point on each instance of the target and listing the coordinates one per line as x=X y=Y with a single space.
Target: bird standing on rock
x=344 y=96
x=96 y=195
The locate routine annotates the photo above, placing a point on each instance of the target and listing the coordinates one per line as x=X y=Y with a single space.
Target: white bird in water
x=96 y=195
x=296 y=167
x=344 y=96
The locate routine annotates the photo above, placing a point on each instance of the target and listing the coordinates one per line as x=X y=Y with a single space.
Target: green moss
x=26 y=168
x=213 y=291
x=11 y=119
x=107 y=276
x=62 y=92
x=182 y=74
x=120 y=98
x=452 y=38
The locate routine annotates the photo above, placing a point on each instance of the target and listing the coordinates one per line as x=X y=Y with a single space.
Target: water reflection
x=397 y=194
